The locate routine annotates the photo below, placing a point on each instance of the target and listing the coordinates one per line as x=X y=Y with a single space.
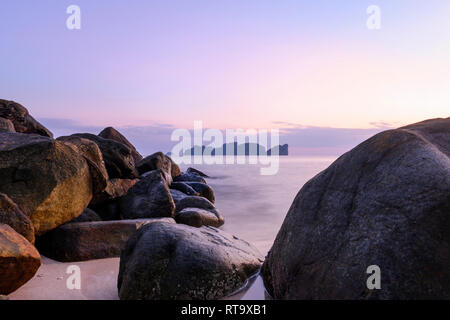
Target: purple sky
x=311 y=68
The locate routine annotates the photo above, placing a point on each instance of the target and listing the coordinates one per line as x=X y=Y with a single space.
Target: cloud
x=302 y=139
x=314 y=140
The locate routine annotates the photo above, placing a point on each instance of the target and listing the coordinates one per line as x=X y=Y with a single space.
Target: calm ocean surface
x=253 y=205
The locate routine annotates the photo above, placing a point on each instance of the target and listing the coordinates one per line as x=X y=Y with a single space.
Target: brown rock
x=22 y=120
x=11 y=215
x=46 y=178
x=196 y=217
x=90 y=240
x=159 y=160
x=91 y=152
x=6 y=125
x=19 y=260
x=113 y=134
x=117 y=156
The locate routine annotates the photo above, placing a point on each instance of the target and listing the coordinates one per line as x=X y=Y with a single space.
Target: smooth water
x=253 y=205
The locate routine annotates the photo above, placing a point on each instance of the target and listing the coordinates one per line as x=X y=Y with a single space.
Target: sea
x=254 y=205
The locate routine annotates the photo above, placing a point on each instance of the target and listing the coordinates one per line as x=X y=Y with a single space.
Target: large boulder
x=173 y=261
x=158 y=160
x=6 y=125
x=91 y=152
x=113 y=134
x=19 y=260
x=22 y=120
x=118 y=159
x=148 y=198
x=82 y=241
x=384 y=203
x=47 y=179
x=11 y=215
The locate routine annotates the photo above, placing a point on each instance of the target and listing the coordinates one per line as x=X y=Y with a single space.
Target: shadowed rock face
x=159 y=160
x=22 y=120
x=6 y=125
x=46 y=178
x=113 y=134
x=148 y=198
x=82 y=241
x=118 y=159
x=19 y=260
x=172 y=261
x=11 y=215
x=385 y=203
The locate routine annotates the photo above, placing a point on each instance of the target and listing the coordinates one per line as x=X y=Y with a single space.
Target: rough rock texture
x=22 y=120
x=11 y=215
x=46 y=178
x=115 y=188
x=173 y=261
x=189 y=177
x=90 y=240
x=184 y=187
x=196 y=217
x=6 y=125
x=113 y=134
x=107 y=203
x=88 y=215
x=118 y=159
x=158 y=160
x=91 y=152
x=148 y=198
x=191 y=170
x=194 y=202
x=203 y=189
x=19 y=260
x=385 y=203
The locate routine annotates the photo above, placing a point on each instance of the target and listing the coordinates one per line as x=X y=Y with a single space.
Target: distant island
x=245 y=149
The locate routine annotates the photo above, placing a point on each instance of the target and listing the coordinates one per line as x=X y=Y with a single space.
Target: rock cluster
x=82 y=197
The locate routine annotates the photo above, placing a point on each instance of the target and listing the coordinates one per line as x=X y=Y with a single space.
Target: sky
x=311 y=68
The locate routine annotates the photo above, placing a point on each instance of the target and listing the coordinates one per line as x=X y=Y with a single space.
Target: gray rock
x=173 y=261
x=185 y=188
x=203 y=189
x=385 y=203
x=197 y=172
x=177 y=195
x=194 y=202
x=148 y=198
x=189 y=177
x=82 y=241
x=196 y=217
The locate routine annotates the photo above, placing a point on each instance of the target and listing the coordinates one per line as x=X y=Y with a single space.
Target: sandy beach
x=98 y=282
